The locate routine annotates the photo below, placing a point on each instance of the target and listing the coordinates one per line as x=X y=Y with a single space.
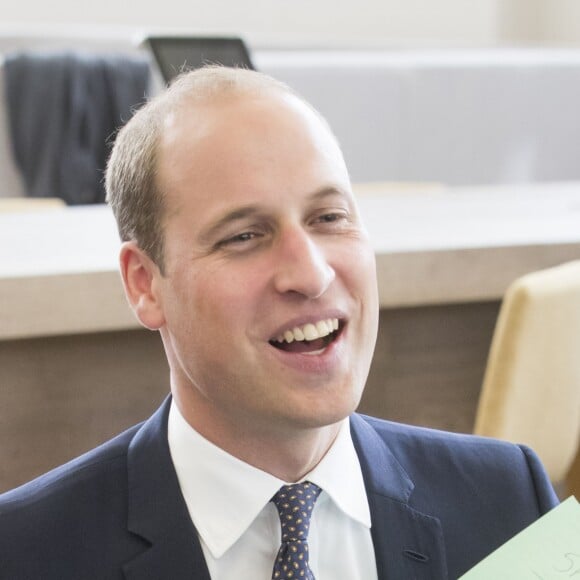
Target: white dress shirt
x=239 y=528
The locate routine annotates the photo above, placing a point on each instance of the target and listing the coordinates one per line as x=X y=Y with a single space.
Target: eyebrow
x=329 y=192
x=240 y=213
x=250 y=210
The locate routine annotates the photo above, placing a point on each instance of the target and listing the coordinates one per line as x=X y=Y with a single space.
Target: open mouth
x=312 y=338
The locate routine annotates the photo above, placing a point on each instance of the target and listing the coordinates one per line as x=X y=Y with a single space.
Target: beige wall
x=562 y=21
x=324 y=22
x=539 y=22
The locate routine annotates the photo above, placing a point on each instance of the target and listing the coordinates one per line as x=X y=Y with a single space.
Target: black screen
x=176 y=54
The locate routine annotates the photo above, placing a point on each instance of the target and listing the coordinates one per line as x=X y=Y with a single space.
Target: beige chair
x=531 y=388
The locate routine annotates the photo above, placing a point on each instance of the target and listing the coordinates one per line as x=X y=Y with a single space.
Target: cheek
x=357 y=266
x=372 y=287
x=213 y=302
x=358 y=270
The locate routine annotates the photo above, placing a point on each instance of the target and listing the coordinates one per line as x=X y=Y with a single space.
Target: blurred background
x=459 y=122
x=341 y=23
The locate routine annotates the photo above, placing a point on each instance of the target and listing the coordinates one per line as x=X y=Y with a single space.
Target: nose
x=301 y=265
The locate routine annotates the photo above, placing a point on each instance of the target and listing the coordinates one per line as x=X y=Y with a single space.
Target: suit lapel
x=157 y=511
x=408 y=544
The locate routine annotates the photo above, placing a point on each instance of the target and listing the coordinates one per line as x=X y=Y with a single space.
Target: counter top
x=434 y=245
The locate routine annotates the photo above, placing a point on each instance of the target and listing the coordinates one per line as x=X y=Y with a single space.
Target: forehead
x=238 y=125
x=248 y=143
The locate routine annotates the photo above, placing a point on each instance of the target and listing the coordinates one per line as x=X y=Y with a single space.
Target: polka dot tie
x=295 y=503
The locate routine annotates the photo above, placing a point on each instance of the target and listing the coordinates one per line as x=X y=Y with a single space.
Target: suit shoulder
x=72 y=521
x=431 y=440
x=432 y=457
x=428 y=452
x=58 y=484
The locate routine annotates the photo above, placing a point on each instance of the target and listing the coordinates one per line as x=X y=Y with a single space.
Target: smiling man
x=267 y=304
x=244 y=248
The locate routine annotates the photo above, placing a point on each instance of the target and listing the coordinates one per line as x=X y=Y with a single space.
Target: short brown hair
x=131 y=184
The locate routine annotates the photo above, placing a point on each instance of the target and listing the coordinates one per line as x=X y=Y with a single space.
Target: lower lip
x=320 y=362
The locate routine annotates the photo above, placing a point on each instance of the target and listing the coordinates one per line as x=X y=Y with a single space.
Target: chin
x=327 y=416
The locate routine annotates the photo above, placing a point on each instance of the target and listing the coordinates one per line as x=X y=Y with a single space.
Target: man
x=244 y=248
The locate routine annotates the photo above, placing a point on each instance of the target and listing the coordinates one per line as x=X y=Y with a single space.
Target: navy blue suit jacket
x=439 y=503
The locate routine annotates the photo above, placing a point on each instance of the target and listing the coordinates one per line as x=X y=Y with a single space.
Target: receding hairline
x=216 y=86
x=134 y=164
x=217 y=83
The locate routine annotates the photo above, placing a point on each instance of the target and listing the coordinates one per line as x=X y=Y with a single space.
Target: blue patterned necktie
x=295 y=503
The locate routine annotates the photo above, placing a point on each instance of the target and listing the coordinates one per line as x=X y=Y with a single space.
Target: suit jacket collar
x=157 y=511
x=408 y=543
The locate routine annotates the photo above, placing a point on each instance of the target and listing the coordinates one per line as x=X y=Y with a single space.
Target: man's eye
x=332 y=217
x=244 y=237
x=239 y=239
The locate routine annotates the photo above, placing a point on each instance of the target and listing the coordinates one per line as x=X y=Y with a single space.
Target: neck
x=288 y=454
x=289 y=458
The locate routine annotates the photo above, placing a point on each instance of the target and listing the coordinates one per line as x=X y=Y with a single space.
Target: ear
x=141 y=279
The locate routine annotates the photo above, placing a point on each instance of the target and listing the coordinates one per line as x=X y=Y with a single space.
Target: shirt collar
x=339 y=475
x=222 y=509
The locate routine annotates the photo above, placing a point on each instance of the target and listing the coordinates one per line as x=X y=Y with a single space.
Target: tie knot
x=295 y=503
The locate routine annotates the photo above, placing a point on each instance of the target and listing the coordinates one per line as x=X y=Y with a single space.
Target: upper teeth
x=309 y=331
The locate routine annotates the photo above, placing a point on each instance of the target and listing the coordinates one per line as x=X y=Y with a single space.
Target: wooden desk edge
x=88 y=302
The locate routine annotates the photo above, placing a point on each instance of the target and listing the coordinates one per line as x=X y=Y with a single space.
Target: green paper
x=548 y=549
